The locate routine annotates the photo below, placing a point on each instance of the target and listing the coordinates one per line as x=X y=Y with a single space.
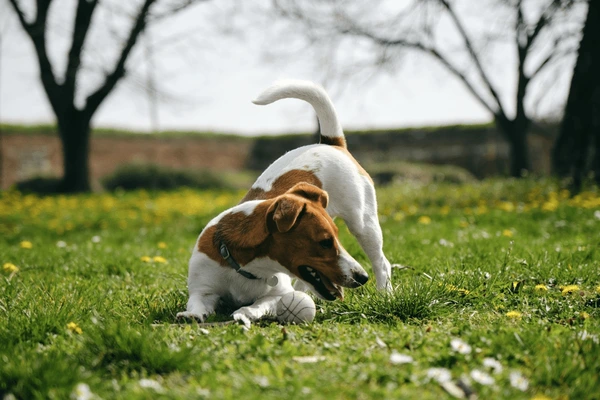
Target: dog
x=282 y=230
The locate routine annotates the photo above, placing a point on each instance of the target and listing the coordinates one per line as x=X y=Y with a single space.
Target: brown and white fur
x=283 y=227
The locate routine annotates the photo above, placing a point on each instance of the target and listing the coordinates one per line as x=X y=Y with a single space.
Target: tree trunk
x=519 y=160
x=515 y=132
x=75 y=138
x=581 y=124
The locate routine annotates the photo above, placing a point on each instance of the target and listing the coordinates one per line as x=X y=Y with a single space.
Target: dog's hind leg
x=365 y=227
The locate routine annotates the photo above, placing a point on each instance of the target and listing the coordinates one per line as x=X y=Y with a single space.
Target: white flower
x=445 y=243
x=82 y=392
x=518 y=381
x=493 y=364
x=397 y=358
x=308 y=359
x=584 y=335
x=460 y=347
x=262 y=381
x=597 y=214
x=380 y=342
x=96 y=239
x=482 y=378
x=62 y=244
x=440 y=375
x=151 y=384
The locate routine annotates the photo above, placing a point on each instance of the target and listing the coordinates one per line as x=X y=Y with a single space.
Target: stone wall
x=478 y=149
x=28 y=155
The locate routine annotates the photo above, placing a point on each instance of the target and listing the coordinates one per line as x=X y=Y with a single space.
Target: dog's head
x=304 y=239
x=294 y=230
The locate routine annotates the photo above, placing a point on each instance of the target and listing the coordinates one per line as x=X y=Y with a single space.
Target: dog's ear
x=240 y=230
x=310 y=192
x=283 y=213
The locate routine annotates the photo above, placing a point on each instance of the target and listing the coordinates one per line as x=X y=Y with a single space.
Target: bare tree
x=541 y=33
x=73 y=119
x=577 y=148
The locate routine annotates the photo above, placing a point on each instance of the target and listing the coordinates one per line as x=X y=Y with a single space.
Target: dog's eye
x=326 y=244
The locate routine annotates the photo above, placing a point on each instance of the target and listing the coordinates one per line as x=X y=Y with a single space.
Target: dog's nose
x=361 y=278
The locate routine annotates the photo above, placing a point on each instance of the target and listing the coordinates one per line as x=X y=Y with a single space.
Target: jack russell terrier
x=283 y=228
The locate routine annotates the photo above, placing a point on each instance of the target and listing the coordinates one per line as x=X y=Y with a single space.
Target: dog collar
x=224 y=251
x=231 y=261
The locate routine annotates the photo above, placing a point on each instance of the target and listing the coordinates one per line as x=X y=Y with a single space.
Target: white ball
x=296 y=307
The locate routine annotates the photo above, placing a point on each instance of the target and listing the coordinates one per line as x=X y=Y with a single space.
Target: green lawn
x=498 y=291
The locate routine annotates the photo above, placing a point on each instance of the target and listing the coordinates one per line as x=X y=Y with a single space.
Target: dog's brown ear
x=240 y=230
x=310 y=192
x=284 y=213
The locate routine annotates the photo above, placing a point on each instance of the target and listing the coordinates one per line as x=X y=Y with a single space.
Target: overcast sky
x=210 y=80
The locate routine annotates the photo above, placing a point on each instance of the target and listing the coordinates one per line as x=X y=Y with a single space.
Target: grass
x=503 y=270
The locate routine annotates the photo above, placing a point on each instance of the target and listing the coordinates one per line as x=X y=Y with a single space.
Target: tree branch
x=37 y=33
x=550 y=58
x=473 y=54
x=430 y=51
x=183 y=5
x=83 y=17
x=545 y=17
x=96 y=98
x=20 y=15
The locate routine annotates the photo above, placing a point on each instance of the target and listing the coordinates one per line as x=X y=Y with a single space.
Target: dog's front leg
x=263 y=307
x=199 y=306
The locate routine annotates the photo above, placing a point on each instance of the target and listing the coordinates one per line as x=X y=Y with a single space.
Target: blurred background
x=157 y=93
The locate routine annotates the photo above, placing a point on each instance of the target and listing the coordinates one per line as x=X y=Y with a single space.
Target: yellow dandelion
x=507 y=233
x=550 y=205
x=445 y=210
x=463 y=224
x=424 y=219
x=159 y=259
x=398 y=216
x=73 y=327
x=25 y=244
x=506 y=206
x=146 y=259
x=598 y=289
x=541 y=288
x=162 y=245
x=482 y=209
x=540 y=396
x=10 y=268
x=514 y=314
x=569 y=289
x=584 y=315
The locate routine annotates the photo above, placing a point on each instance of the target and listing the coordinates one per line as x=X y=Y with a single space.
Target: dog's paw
x=243 y=319
x=385 y=285
x=191 y=316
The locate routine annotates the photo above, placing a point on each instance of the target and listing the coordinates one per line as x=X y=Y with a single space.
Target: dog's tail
x=315 y=95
